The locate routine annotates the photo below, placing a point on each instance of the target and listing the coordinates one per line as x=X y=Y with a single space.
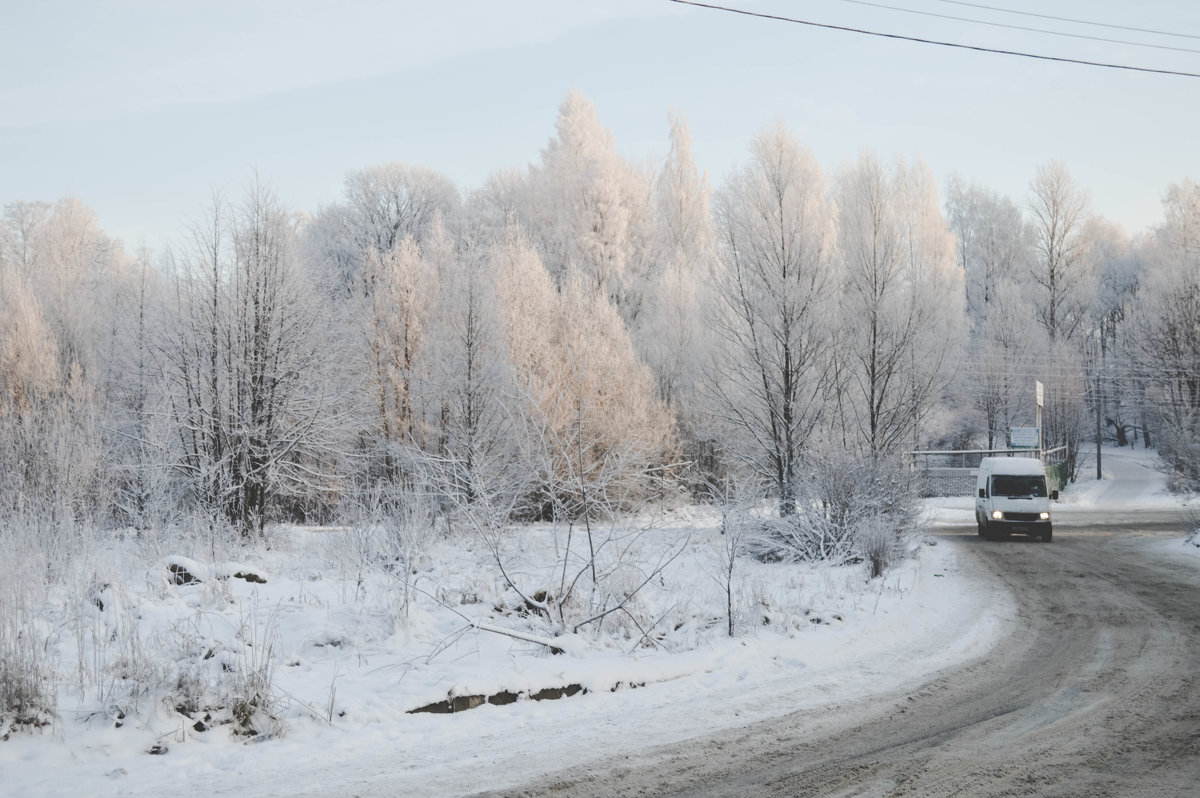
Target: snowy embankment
x=349 y=652
x=348 y=649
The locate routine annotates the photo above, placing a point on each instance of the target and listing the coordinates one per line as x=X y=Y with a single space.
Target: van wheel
x=1047 y=536
x=981 y=528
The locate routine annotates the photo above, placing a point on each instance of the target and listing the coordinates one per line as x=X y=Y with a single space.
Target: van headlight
x=996 y=514
x=1044 y=516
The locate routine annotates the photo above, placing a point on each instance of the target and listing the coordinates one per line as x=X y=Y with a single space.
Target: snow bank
x=351 y=652
x=352 y=648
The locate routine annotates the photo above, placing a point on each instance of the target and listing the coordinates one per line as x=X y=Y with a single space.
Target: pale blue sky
x=141 y=108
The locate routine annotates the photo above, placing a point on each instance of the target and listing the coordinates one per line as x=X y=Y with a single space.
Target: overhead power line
x=1069 y=19
x=919 y=40
x=1020 y=27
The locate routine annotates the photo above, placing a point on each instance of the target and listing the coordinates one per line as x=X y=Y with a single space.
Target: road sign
x=1023 y=437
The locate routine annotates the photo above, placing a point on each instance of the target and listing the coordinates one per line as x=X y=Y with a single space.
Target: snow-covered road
x=1095 y=690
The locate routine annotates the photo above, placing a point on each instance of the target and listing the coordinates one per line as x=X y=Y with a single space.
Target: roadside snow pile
x=329 y=657
x=1192 y=541
x=185 y=570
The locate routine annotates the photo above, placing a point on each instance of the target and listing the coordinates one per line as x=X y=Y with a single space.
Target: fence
x=953 y=472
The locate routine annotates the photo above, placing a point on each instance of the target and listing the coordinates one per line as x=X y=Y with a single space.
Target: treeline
x=576 y=337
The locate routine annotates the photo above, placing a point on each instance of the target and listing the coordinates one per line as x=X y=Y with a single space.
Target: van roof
x=1012 y=465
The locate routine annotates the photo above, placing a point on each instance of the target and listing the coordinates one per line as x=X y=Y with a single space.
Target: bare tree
x=770 y=310
x=137 y=421
x=902 y=302
x=1165 y=343
x=472 y=378
x=1062 y=271
x=738 y=529
x=1002 y=360
x=994 y=244
x=387 y=203
x=258 y=424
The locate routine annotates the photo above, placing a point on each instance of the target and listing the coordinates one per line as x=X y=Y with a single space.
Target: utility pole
x=1099 y=473
x=1098 y=398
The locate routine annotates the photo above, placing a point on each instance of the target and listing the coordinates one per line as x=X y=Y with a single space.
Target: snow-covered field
x=349 y=652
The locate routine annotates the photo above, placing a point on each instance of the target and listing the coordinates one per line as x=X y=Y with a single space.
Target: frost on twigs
x=848 y=511
x=1193 y=537
x=27 y=685
x=225 y=678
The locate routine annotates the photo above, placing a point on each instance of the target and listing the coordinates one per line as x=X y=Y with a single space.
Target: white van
x=1012 y=497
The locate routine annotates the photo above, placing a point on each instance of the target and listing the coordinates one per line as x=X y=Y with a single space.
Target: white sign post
x=1040 y=393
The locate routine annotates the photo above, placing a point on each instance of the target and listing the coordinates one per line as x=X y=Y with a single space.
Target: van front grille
x=1022 y=517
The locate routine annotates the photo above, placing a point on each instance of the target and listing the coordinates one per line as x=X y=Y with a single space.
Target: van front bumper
x=1009 y=525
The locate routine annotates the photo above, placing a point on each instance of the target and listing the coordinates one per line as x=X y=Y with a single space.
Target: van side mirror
x=983 y=493
x=1053 y=495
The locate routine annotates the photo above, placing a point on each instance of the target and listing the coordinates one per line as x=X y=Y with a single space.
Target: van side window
x=1018 y=485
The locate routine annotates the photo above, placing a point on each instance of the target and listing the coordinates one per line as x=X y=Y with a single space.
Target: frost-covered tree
x=1063 y=297
x=138 y=442
x=670 y=333
x=491 y=210
x=61 y=276
x=592 y=424
x=257 y=421
x=995 y=249
x=1118 y=270
x=383 y=205
x=1165 y=341
x=476 y=450
x=28 y=354
x=28 y=383
x=370 y=253
x=399 y=287
x=901 y=303
x=588 y=211
x=1002 y=360
x=19 y=230
x=771 y=308
x=1061 y=271
x=994 y=245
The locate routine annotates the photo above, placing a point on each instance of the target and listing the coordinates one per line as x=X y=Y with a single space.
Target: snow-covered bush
x=1192 y=516
x=115 y=669
x=1179 y=449
x=253 y=702
x=391 y=529
x=409 y=528
x=877 y=543
x=221 y=674
x=27 y=682
x=848 y=510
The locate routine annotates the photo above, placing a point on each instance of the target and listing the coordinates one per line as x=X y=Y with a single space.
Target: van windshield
x=1010 y=485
